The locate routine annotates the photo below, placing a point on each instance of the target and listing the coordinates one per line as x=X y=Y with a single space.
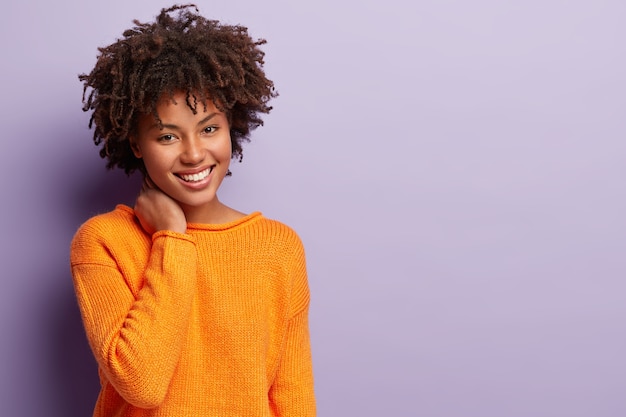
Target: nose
x=193 y=152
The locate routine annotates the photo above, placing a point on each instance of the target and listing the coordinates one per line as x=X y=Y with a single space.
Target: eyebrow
x=173 y=126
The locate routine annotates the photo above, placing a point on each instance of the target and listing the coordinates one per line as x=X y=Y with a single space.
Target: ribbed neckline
x=248 y=218
x=209 y=226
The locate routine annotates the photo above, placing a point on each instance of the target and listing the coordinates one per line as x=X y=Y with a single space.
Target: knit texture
x=213 y=322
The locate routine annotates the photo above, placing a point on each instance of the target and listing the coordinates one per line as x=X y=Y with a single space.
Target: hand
x=158 y=211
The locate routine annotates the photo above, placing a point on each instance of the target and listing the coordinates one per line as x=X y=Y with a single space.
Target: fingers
x=155 y=210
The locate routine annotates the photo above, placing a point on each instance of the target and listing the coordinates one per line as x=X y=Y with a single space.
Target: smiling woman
x=186 y=153
x=191 y=308
x=200 y=58
x=454 y=168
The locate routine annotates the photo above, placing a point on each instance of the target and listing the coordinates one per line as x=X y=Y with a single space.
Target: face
x=188 y=157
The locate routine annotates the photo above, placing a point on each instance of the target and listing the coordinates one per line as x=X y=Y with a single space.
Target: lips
x=198 y=176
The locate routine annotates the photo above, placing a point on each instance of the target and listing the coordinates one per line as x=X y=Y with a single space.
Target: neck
x=210 y=213
x=215 y=213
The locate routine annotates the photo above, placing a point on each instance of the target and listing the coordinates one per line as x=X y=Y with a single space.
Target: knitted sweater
x=213 y=322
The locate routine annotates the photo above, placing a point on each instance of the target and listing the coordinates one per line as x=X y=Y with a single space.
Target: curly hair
x=203 y=58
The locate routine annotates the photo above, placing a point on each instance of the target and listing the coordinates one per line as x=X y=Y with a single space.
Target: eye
x=166 y=138
x=210 y=129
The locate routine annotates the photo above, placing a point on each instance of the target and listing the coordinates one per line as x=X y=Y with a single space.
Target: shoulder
x=106 y=231
x=280 y=242
x=278 y=231
x=120 y=220
x=287 y=249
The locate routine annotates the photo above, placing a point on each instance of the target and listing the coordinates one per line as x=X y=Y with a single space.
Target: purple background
x=456 y=171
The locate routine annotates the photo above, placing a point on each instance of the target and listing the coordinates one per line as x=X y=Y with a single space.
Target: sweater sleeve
x=292 y=393
x=136 y=336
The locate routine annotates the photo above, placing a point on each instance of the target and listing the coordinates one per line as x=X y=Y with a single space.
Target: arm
x=137 y=334
x=136 y=337
x=291 y=393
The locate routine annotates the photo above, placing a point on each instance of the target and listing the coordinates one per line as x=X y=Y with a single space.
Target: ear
x=135 y=147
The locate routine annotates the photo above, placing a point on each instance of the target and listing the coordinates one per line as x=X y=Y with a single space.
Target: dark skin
x=179 y=51
x=195 y=145
x=157 y=211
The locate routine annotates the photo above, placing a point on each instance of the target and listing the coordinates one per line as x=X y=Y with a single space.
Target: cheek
x=225 y=149
x=155 y=162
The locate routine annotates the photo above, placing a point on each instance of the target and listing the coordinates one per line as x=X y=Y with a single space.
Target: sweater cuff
x=169 y=233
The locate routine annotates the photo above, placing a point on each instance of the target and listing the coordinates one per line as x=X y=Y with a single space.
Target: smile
x=195 y=177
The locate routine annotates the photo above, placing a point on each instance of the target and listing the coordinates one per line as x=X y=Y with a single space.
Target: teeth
x=196 y=177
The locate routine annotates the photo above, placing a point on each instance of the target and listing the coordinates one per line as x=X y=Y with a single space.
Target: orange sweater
x=213 y=322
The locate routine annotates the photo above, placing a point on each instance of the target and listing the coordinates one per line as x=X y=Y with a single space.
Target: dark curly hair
x=203 y=58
